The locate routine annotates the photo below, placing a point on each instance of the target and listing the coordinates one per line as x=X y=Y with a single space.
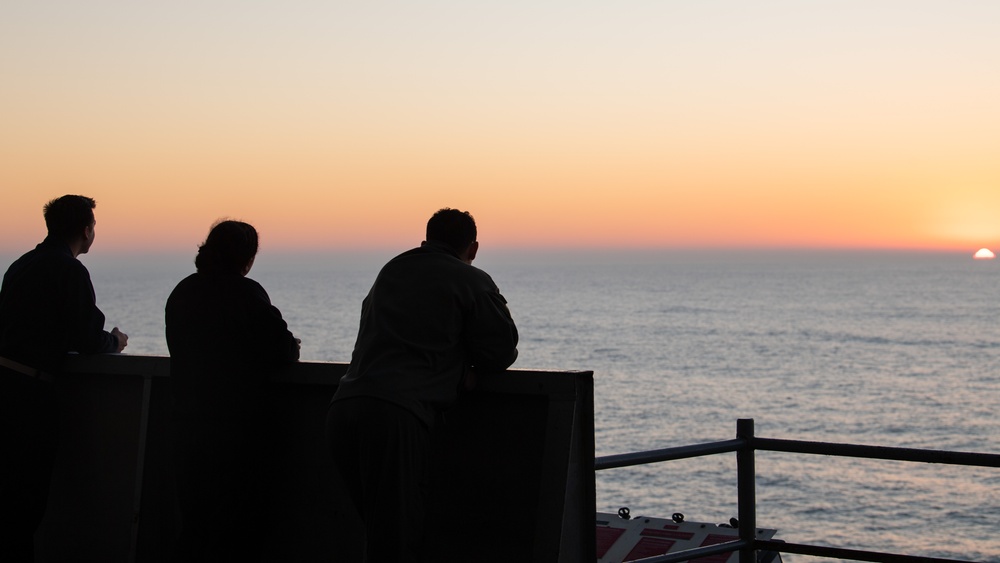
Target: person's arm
x=274 y=342
x=492 y=335
x=87 y=334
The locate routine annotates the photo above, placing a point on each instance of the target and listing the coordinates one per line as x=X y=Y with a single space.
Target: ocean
x=879 y=348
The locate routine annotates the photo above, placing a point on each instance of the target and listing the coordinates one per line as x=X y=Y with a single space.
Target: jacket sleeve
x=273 y=341
x=492 y=337
x=87 y=334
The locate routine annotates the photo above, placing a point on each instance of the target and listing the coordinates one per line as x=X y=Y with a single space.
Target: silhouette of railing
x=745 y=445
x=518 y=450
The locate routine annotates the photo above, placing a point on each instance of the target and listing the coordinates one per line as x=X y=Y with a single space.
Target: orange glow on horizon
x=783 y=134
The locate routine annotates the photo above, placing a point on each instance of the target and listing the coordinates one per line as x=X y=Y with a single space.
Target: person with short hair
x=226 y=340
x=47 y=310
x=429 y=320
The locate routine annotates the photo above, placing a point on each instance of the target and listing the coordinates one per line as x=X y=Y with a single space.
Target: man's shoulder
x=419 y=258
x=50 y=260
x=435 y=260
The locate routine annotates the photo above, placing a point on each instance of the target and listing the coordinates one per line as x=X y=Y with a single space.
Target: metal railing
x=745 y=445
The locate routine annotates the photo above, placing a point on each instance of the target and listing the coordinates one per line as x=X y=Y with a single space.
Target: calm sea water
x=894 y=349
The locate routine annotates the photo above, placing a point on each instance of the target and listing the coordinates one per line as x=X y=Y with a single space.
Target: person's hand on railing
x=122 y=339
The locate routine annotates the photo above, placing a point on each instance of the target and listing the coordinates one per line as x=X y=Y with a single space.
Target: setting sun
x=984 y=254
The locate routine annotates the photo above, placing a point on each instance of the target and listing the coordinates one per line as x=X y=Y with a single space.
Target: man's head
x=229 y=249
x=456 y=229
x=70 y=218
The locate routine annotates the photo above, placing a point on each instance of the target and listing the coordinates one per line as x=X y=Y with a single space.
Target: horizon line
x=548 y=249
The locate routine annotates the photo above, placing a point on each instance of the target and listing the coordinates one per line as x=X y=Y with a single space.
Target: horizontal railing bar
x=841 y=553
x=877 y=452
x=667 y=454
x=695 y=553
x=802 y=447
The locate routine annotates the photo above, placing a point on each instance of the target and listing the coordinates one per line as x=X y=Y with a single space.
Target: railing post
x=746 y=493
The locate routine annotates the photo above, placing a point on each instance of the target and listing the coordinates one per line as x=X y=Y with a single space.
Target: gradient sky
x=580 y=123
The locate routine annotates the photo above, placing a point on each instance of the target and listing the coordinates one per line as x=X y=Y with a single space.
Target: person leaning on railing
x=429 y=320
x=47 y=309
x=226 y=340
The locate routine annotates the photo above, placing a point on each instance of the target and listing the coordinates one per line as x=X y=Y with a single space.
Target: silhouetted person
x=429 y=318
x=47 y=309
x=225 y=341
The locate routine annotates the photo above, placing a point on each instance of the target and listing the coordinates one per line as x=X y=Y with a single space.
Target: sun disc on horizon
x=983 y=254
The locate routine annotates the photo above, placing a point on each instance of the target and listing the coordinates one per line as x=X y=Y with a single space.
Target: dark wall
x=513 y=478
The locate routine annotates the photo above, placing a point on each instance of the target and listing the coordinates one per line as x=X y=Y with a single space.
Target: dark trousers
x=381 y=452
x=29 y=423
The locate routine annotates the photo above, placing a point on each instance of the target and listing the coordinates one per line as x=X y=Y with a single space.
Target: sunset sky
x=581 y=123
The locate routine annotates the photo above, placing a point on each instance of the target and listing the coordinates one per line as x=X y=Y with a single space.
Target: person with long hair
x=226 y=340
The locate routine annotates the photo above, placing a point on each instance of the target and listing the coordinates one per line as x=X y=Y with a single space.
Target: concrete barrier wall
x=513 y=479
